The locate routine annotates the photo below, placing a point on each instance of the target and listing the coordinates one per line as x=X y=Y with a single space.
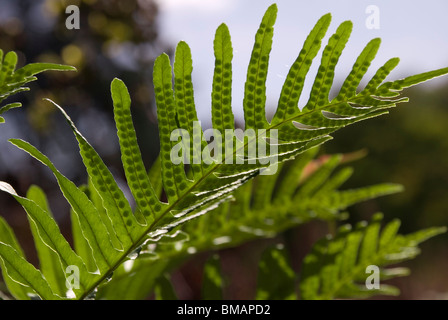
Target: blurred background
x=123 y=38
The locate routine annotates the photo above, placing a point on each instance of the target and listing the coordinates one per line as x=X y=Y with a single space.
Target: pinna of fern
x=114 y=230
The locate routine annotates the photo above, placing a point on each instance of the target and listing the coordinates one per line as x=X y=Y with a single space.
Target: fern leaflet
x=337 y=267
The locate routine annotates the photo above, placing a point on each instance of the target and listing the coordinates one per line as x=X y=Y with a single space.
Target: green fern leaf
x=22 y=273
x=255 y=87
x=8 y=238
x=250 y=216
x=222 y=116
x=49 y=261
x=12 y=81
x=337 y=267
x=275 y=262
x=134 y=168
x=136 y=287
x=51 y=236
x=80 y=243
x=93 y=228
x=114 y=201
x=115 y=232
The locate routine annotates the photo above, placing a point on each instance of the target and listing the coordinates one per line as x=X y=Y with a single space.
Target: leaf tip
x=273 y=7
x=117 y=84
x=6 y=187
x=326 y=18
x=222 y=28
x=70 y=68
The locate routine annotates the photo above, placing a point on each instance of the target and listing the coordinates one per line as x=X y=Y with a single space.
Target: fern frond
x=93 y=228
x=257 y=211
x=52 y=237
x=116 y=232
x=12 y=81
x=338 y=267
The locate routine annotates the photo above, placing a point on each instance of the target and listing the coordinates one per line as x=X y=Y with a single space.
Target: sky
x=414 y=31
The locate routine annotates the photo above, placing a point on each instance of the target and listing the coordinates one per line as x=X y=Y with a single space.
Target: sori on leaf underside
x=115 y=230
